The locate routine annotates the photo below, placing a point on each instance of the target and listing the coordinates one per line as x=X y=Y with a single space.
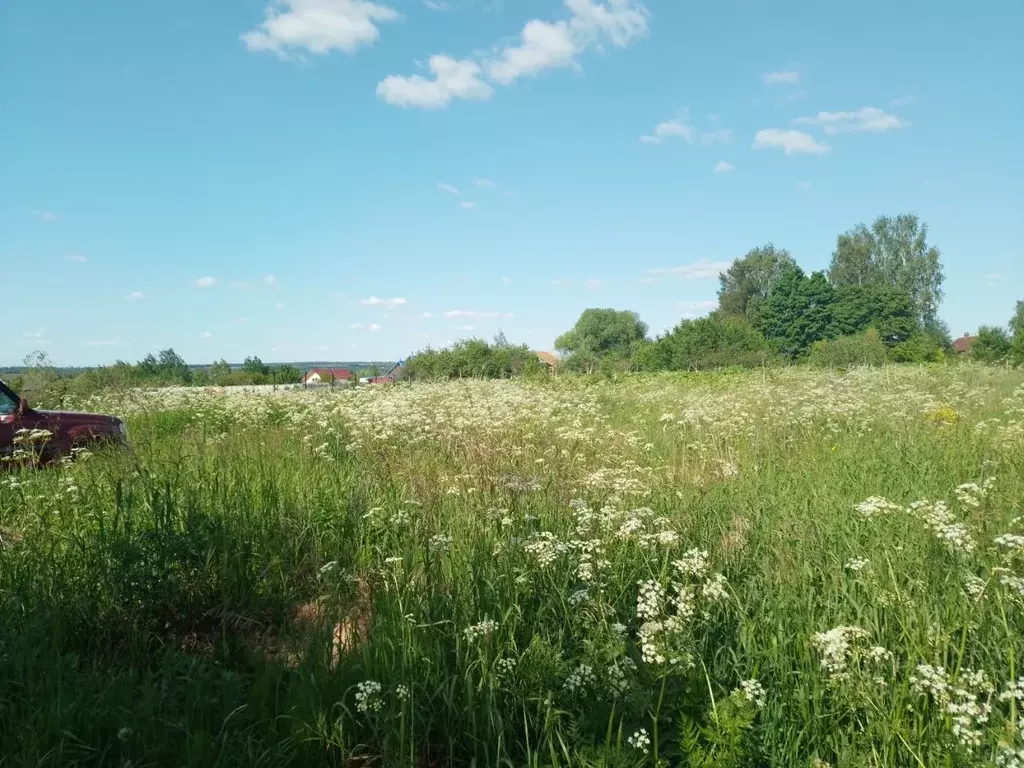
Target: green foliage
x=602 y=333
x=798 y=312
x=991 y=345
x=863 y=349
x=725 y=740
x=473 y=358
x=748 y=282
x=715 y=341
x=40 y=383
x=255 y=367
x=888 y=309
x=1017 y=329
x=893 y=252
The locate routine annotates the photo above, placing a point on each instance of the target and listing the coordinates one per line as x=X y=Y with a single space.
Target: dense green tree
x=255 y=367
x=715 y=341
x=894 y=251
x=798 y=311
x=991 y=345
x=171 y=367
x=859 y=306
x=286 y=374
x=220 y=373
x=745 y=286
x=602 y=333
x=1017 y=329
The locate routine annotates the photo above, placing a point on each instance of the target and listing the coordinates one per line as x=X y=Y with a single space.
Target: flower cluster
x=368 y=697
x=481 y=630
x=836 y=649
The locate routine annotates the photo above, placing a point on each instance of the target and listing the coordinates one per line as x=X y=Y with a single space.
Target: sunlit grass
x=673 y=568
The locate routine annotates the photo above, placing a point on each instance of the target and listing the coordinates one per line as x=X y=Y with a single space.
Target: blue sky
x=345 y=179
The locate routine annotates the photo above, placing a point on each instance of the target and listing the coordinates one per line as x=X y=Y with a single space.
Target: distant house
x=548 y=359
x=391 y=376
x=340 y=376
x=963 y=345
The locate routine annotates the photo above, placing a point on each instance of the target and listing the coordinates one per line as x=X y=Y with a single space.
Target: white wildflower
x=368 y=696
x=640 y=741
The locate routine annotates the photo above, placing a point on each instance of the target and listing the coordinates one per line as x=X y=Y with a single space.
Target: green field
x=787 y=567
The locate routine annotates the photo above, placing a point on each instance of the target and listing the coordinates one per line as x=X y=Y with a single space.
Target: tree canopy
x=601 y=334
x=746 y=284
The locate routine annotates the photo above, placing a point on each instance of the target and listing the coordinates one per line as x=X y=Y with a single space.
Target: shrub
x=864 y=349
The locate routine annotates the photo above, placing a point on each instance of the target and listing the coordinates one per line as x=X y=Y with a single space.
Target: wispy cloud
x=542 y=46
x=77 y=257
x=107 y=343
x=242 y=285
x=206 y=282
x=467 y=205
x=457 y=313
x=694 y=308
x=427 y=315
x=506 y=280
x=787 y=77
x=270 y=280
x=374 y=301
x=463 y=327
x=592 y=284
x=451 y=190
x=437 y=5
x=682 y=127
x=992 y=278
x=723 y=167
x=318 y=26
x=790 y=141
x=863 y=120
x=137 y=296
x=373 y=327
x=561 y=282
x=484 y=183
x=902 y=101
x=205 y=335
x=803 y=185
x=700 y=269
x=46 y=215
x=648 y=280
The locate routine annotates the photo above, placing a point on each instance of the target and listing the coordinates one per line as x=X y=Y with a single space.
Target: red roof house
x=963 y=344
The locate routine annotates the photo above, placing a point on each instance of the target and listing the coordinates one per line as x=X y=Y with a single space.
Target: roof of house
x=964 y=343
x=548 y=358
x=330 y=373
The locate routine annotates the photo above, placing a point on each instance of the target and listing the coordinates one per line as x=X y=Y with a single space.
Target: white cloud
x=542 y=45
x=993 y=277
x=270 y=279
x=506 y=280
x=434 y=5
x=803 y=185
x=46 y=215
x=467 y=204
x=723 y=167
x=561 y=283
x=698 y=270
x=455 y=313
x=864 y=120
x=781 y=78
x=789 y=141
x=36 y=334
x=107 y=343
x=452 y=79
x=137 y=296
x=374 y=301
x=463 y=327
x=206 y=282
x=484 y=183
x=318 y=26
x=901 y=101
x=448 y=188
x=77 y=257
x=682 y=127
x=592 y=284
x=428 y=315
x=205 y=335
x=373 y=327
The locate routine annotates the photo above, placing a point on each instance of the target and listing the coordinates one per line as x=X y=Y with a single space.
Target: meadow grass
x=774 y=568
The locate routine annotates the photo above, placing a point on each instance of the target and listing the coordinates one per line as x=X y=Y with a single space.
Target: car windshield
x=8 y=404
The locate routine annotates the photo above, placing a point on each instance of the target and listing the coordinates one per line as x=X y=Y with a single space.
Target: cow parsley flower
x=640 y=741
x=368 y=696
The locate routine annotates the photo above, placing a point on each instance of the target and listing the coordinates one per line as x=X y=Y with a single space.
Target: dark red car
x=67 y=430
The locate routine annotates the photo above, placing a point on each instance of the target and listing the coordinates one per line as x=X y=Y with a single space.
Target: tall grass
x=684 y=570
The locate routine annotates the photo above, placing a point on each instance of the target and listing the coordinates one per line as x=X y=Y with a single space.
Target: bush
x=714 y=341
x=864 y=349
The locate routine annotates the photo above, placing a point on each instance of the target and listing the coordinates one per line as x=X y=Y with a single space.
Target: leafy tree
x=798 y=311
x=601 y=333
x=715 y=341
x=220 y=373
x=886 y=308
x=894 y=251
x=991 y=345
x=1017 y=328
x=745 y=286
x=172 y=367
x=286 y=374
x=255 y=367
